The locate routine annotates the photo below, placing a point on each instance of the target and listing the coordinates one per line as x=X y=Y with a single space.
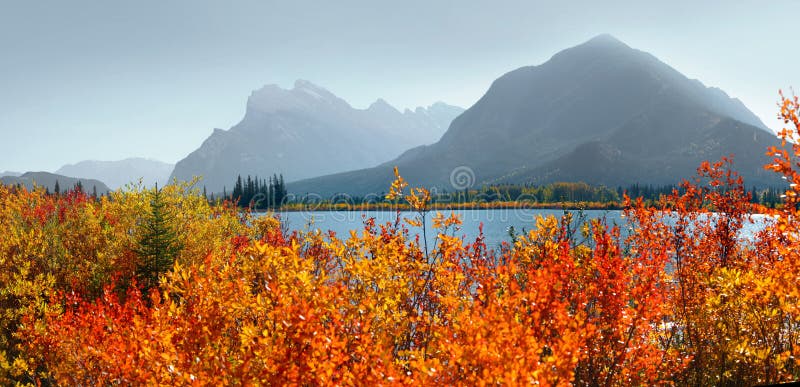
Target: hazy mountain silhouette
x=48 y=180
x=9 y=173
x=308 y=131
x=600 y=112
x=119 y=173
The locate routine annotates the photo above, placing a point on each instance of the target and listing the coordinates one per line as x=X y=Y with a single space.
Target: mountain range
x=308 y=131
x=600 y=112
x=49 y=180
x=9 y=173
x=117 y=174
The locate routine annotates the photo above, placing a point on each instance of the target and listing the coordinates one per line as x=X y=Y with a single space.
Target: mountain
x=308 y=131
x=9 y=173
x=600 y=112
x=48 y=180
x=119 y=173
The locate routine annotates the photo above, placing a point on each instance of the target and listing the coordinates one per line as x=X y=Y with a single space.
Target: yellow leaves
x=397 y=187
x=264 y=224
x=249 y=334
x=449 y=245
x=260 y=247
x=413 y=222
x=304 y=278
x=249 y=304
x=19 y=366
x=419 y=199
x=440 y=222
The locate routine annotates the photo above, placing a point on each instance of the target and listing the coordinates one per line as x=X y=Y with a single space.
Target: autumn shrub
x=72 y=244
x=677 y=297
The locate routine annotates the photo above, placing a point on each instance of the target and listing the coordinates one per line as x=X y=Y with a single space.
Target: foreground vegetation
x=160 y=287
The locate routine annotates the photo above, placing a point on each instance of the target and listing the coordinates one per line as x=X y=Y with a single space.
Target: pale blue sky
x=107 y=79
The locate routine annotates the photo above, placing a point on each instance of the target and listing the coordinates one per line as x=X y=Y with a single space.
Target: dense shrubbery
x=680 y=300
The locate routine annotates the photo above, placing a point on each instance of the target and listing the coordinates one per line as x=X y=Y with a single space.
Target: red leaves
x=266 y=308
x=682 y=299
x=240 y=243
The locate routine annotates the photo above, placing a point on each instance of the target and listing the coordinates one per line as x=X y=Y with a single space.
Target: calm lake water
x=496 y=223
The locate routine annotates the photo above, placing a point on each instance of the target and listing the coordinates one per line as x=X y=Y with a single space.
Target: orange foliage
x=681 y=298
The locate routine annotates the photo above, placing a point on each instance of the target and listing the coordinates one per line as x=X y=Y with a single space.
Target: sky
x=107 y=80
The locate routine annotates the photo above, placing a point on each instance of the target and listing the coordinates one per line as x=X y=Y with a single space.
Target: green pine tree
x=158 y=244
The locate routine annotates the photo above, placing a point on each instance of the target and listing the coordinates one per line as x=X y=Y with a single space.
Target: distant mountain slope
x=48 y=180
x=600 y=112
x=9 y=173
x=119 y=173
x=308 y=131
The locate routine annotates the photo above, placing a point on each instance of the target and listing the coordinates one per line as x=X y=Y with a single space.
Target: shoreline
x=572 y=206
x=567 y=206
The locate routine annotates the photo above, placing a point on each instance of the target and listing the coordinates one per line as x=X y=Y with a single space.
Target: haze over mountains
x=600 y=112
x=117 y=174
x=308 y=131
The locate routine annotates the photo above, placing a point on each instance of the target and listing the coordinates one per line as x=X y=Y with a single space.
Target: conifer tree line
x=258 y=193
x=582 y=192
x=271 y=193
x=559 y=192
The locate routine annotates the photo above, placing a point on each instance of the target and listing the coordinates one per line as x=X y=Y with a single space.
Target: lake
x=496 y=222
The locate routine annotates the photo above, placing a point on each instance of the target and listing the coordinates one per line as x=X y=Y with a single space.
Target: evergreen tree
x=158 y=244
x=281 y=191
x=249 y=192
x=238 y=188
x=57 y=189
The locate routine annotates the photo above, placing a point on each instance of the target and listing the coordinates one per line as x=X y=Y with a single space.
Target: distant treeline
x=271 y=193
x=57 y=190
x=554 y=193
x=256 y=193
x=581 y=192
